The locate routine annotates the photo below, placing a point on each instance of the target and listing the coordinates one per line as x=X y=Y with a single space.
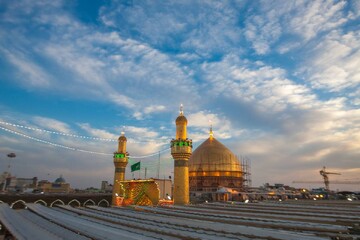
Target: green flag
x=135 y=167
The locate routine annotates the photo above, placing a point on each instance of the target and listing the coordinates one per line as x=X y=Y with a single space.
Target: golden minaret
x=120 y=162
x=181 y=148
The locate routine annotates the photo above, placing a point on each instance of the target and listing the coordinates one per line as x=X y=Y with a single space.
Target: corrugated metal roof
x=20 y=227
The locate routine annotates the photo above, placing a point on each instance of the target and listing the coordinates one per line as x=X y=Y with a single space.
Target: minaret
x=120 y=162
x=181 y=149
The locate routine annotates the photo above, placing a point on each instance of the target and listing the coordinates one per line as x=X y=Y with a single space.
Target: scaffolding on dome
x=246 y=169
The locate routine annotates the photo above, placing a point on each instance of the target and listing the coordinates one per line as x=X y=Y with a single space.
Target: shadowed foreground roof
x=237 y=220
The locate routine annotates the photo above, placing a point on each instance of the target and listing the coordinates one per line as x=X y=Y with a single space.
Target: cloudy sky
x=279 y=81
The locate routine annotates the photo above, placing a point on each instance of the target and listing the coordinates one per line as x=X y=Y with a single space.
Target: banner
x=135 y=167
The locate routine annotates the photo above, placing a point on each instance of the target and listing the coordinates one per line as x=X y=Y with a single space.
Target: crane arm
x=332 y=182
x=307 y=182
x=345 y=182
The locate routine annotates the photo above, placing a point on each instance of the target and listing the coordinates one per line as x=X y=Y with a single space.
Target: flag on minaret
x=135 y=167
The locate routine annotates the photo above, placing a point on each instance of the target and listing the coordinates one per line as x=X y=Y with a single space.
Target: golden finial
x=211 y=131
x=181 y=109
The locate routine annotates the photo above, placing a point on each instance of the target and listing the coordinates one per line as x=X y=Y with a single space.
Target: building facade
x=58 y=186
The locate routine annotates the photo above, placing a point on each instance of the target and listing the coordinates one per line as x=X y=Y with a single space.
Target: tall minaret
x=181 y=148
x=120 y=162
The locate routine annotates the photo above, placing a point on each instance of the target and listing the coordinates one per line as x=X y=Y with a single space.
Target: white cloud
x=148 y=110
x=29 y=72
x=85 y=67
x=87 y=62
x=287 y=46
x=140 y=71
x=305 y=130
x=262 y=32
x=188 y=57
x=335 y=63
x=200 y=123
x=268 y=87
x=207 y=27
x=21 y=11
x=99 y=133
x=53 y=124
x=317 y=16
x=140 y=133
x=154 y=109
x=355 y=6
x=290 y=20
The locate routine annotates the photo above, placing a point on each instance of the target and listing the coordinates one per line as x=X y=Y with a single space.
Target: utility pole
x=10 y=155
x=158 y=169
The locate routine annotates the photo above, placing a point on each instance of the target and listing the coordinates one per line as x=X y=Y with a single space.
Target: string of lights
x=50 y=143
x=76 y=136
x=73 y=148
x=57 y=133
x=152 y=154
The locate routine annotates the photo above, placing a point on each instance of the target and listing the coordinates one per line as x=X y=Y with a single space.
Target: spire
x=122 y=143
x=211 y=131
x=181 y=110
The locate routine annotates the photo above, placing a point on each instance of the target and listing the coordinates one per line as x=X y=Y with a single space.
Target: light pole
x=10 y=155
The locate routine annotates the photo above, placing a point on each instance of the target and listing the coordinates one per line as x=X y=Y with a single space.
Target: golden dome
x=122 y=137
x=212 y=158
x=213 y=165
x=181 y=119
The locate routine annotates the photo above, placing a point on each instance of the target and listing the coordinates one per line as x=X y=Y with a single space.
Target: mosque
x=215 y=173
x=211 y=172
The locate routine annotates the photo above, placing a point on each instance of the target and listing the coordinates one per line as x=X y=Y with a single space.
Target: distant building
x=13 y=184
x=24 y=184
x=165 y=187
x=106 y=187
x=59 y=186
x=4 y=180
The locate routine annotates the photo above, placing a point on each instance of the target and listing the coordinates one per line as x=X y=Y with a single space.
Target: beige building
x=165 y=187
x=106 y=187
x=59 y=186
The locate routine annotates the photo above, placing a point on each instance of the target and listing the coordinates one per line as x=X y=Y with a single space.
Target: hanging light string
x=57 y=133
x=50 y=143
x=73 y=148
x=152 y=154
x=74 y=135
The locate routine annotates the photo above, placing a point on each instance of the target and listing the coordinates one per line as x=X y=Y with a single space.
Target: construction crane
x=324 y=173
x=326 y=181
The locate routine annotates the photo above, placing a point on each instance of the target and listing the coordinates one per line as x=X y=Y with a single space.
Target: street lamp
x=10 y=155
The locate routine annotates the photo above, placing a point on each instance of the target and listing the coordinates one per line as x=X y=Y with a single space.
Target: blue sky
x=279 y=80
